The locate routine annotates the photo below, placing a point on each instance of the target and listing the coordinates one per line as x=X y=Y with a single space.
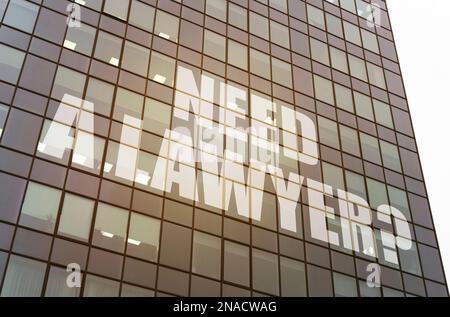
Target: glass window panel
x=357 y=67
x=56 y=149
x=68 y=82
x=214 y=45
x=332 y=175
x=260 y=63
x=293 y=280
x=217 y=9
x=398 y=199
x=316 y=17
x=390 y=156
x=110 y=227
x=162 y=69
x=363 y=105
x=76 y=217
x=281 y=72
x=377 y=193
x=370 y=41
x=100 y=94
x=279 y=5
x=156 y=116
x=355 y=184
x=409 y=260
x=265 y=271
x=237 y=16
x=259 y=25
x=142 y=15
x=40 y=207
x=24 y=277
x=334 y=25
x=108 y=48
x=134 y=291
x=117 y=8
x=348 y=5
x=96 y=286
x=21 y=14
x=135 y=58
x=323 y=89
x=143 y=237
x=94 y=4
x=207 y=252
x=370 y=149
x=328 y=132
x=57 y=284
x=338 y=59
x=80 y=39
x=11 y=61
x=344 y=98
x=376 y=75
x=166 y=26
x=3 y=114
x=88 y=152
x=279 y=34
x=366 y=291
x=349 y=140
x=237 y=54
x=127 y=103
x=344 y=286
x=319 y=51
x=383 y=113
x=236 y=263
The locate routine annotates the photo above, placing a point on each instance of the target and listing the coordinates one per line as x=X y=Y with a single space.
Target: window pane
x=11 y=61
x=349 y=139
x=110 y=227
x=334 y=25
x=237 y=16
x=40 y=207
x=214 y=45
x=323 y=89
x=3 y=114
x=376 y=75
x=236 y=263
x=332 y=175
x=265 y=271
x=235 y=53
x=21 y=14
x=369 y=147
x=167 y=26
x=315 y=17
x=76 y=217
x=348 y=5
x=319 y=51
x=69 y=82
x=127 y=103
x=206 y=254
x=80 y=39
x=135 y=58
x=30 y=273
x=293 y=281
x=352 y=33
x=100 y=287
x=57 y=284
x=363 y=105
x=328 y=132
x=281 y=72
x=390 y=155
x=162 y=69
x=101 y=94
x=344 y=286
x=108 y=48
x=88 y=152
x=260 y=63
x=57 y=148
x=370 y=41
x=259 y=25
x=377 y=193
x=355 y=184
x=156 y=116
x=338 y=59
x=117 y=8
x=134 y=291
x=344 y=99
x=217 y=9
x=143 y=237
x=357 y=67
x=142 y=15
x=279 y=34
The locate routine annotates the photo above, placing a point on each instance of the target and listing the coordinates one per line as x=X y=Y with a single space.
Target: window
x=11 y=61
x=76 y=217
x=260 y=63
x=409 y=259
x=319 y=51
x=398 y=199
x=391 y=159
x=383 y=113
x=236 y=263
x=207 y=252
x=328 y=132
x=237 y=54
x=57 y=148
x=167 y=26
x=156 y=116
x=370 y=41
x=369 y=147
x=338 y=59
x=143 y=237
x=217 y=9
x=315 y=17
x=265 y=271
x=214 y=45
x=363 y=105
x=279 y=5
x=344 y=286
x=279 y=34
x=237 y=16
x=108 y=48
x=21 y=14
x=3 y=114
x=69 y=82
x=259 y=25
x=110 y=227
x=293 y=281
x=142 y=15
x=57 y=284
x=344 y=99
x=30 y=273
x=80 y=39
x=96 y=286
x=40 y=207
x=349 y=140
x=127 y=103
x=135 y=58
x=101 y=94
x=176 y=246
x=88 y=152
x=376 y=75
x=357 y=67
x=355 y=184
x=162 y=69
x=117 y=8
x=332 y=175
x=348 y=5
x=334 y=25
x=377 y=193
x=323 y=89
x=281 y=72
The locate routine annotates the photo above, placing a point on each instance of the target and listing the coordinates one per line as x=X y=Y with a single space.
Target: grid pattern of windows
x=321 y=58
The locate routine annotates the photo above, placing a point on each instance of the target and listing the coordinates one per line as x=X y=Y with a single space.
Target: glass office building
x=101 y=195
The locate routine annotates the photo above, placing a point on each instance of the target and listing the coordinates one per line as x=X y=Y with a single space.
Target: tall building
x=208 y=148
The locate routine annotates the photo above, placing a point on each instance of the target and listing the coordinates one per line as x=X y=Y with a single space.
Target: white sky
x=422 y=36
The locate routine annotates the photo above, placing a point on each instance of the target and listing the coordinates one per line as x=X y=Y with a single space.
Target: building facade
x=208 y=148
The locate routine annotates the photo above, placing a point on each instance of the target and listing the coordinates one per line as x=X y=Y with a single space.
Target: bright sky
x=422 y=31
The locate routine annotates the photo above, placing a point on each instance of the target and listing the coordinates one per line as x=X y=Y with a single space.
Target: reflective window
x=108 y=48
x=40 y=207
x=370 y=41
x=370 y=149
x=323 y=89
x=279 y=5
x=96 y=286
x=281 y=72
x=3 y=114
x=88 y=152
x=363 y=106
x=319 y=51
x=259 y=25
x=143 y=237
x=236 y=262
x=315 y=17
x=332 y=175
x=135 y=58
x=352 y=33
x=279 y=34
x=383 y=113
x=334 y=25
x=68 y=82
x=57 y=284
x=206 y=255
x=214 y=45
x=21 y=14
x=80 y=39
x=156 y=116
x=265 y=271
x=110 y=227
x=76 y=217
x=344 y=98
x=142 y=15
x=166 y=26
x=260 y=63
x=391 y=159
x=117 y=8
x=100 y=94
x=162 y=69
x=344 y=286
x=349 y=140
x=357 y=67
x=376 y=75
x=338 y=59
x=235 y=53
x=237 y=16
x=11 y=61
x=127 y=103
x=217 y=9
x=328 y=132
x=293 y=280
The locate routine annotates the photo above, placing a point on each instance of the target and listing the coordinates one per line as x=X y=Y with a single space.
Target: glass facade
x=91 y=93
